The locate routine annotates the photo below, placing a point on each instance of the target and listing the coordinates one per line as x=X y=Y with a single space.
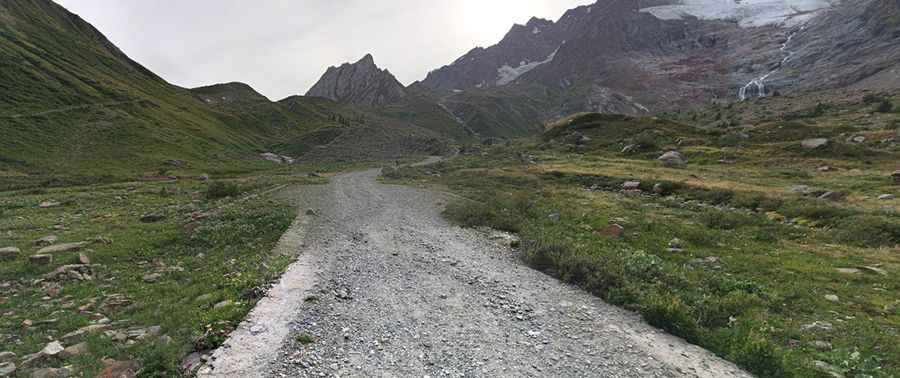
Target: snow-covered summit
x=747 y=13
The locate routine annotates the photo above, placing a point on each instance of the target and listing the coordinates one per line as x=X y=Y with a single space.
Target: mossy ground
x=207 y=249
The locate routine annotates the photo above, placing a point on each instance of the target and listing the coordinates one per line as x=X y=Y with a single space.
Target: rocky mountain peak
x=360 y=83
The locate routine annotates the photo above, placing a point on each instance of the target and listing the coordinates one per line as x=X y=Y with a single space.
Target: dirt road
x=385 y=287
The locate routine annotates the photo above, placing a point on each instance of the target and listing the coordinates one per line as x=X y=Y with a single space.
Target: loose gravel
x=386 y=287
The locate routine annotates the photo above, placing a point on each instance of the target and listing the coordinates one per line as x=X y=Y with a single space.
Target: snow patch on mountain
x=507 y=74
x=748 y=13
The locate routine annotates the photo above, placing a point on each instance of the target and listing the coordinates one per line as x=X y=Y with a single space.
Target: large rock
x=9 y=253
x=75 y=350
x=75 y=272
x=7 y=357
x=672 y=158
x=60 y=248
x=815 y=143
x=50 y=373
x=53 y=349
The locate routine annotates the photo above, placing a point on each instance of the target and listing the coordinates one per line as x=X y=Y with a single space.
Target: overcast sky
x=281 y=47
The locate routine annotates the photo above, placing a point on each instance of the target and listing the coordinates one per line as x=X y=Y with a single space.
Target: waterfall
x=757 y=86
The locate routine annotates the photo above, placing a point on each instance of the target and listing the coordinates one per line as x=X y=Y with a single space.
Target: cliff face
x=360 y=83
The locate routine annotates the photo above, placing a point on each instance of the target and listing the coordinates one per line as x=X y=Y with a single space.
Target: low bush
x=220 y=189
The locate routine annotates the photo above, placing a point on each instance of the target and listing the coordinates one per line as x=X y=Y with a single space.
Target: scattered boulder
x=152 y=218
x=801 y=189
x=84 y=259
x=46 y=240
x=826 y=169
x=613 y=231
x=815 y=143
x=60 y=248
x=53 y=349
x=119 y=369
x=896 y=177
x=7 y=369
x=40 y=259
x=9 y=253
x=7 y=357
x=79 y=334
x=672 y=158
x=675 y=245
x=223 y=304
x=277 y=159
x=832 y=298
x=203 y=178
x=48 y=204
x=817 y=326
x=50 y=373
x=631 y=185
x=114 y=303
x=191 y=364
x=873 y=270
x=555 y=217
x=848 y=270
x=833 y=196
x=857 y=139
x=629 y=148
x=75 y=350
x=887 y=197
x=152 y=277
x=76 y=272
x=826 y=368
x=821 y=346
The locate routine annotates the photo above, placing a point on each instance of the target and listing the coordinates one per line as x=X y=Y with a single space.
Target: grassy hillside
x=71 y=104
x=780 y=258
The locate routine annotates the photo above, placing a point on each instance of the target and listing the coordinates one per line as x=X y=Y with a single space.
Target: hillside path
x=384 y=286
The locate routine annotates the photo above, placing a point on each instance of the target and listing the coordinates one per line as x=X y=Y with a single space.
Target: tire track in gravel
x=386 y=287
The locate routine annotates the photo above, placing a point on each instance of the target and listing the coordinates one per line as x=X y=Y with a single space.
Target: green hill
x=71 y=103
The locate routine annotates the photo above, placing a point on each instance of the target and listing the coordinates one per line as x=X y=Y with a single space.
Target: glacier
x=747 y=13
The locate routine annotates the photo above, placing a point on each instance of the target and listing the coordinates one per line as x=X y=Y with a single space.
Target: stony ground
x=386 y=287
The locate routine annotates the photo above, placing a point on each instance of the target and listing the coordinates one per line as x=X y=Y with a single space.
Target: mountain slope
x=71 y=103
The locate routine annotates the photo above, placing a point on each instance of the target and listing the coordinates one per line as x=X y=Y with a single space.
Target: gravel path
x=385 y=287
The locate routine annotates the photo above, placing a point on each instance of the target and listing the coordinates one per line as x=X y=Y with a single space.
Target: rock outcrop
x=360 y=83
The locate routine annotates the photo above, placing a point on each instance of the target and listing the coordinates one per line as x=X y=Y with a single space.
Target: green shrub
x=868 y=230
x=670 y=313
x=885 y=106
x=219 y=189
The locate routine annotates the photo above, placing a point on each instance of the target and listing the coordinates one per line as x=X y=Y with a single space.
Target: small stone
x=223 y=304
x=832 y=196
x=812 y=144
x=75 y=350
x=152 y=218
x=46 y=240
x=555 y=217
x=40 y=259
x=9 y=253
x=832 y=298
x=631 y=185
x=60 y=248
x=887 y=197
x=7 y=369
x=825 y=169
x=800 y=189
x=857 y=139
x=203 y=178
x=848 y=270
x=84 y=259
x=152 y=277
x=828 y=369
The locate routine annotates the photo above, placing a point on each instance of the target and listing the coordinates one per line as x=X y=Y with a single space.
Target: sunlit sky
x=281 y=47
